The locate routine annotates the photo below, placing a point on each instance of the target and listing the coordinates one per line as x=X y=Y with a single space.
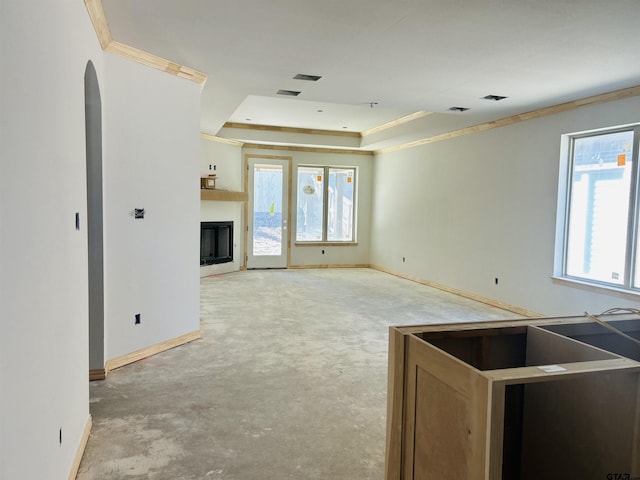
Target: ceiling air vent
x=290 y=93
x=458 y=109
x=309 y=78
x=495 y=98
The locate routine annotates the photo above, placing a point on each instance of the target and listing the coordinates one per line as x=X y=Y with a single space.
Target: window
x=599 y=209
x=325 y=204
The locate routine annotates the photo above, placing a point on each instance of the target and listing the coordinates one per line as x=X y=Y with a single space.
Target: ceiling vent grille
x=289 y=93
x=308 y=78
x=458 y=109
x=495 y=98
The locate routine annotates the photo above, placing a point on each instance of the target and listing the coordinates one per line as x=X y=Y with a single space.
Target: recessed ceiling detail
x=309 y=78
x=495 y=98
x=289 y=93
x=353 y=57
x=458 y=109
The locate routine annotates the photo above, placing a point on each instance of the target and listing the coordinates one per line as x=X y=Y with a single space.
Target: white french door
x=268 y=212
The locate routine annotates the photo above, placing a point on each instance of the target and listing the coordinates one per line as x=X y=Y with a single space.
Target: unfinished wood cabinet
x=525 y=399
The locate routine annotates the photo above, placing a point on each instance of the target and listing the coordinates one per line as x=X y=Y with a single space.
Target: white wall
x=151 y=161
x=44 y=49
x=467 y=210
x=228 y=162
x=333 y=255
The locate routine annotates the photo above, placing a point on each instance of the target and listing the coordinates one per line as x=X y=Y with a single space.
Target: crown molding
x=100 y=25
x=303 y=131
x=394 y=123
x=213 y=138
x=293 y=148
x=522 y=117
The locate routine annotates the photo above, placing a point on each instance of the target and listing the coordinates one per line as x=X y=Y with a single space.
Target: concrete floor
x=289 y=381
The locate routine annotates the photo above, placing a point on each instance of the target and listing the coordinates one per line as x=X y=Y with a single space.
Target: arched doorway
x=93 y=132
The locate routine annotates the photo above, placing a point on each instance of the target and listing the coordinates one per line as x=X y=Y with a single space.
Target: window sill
x=596 y=288
x=326 y=244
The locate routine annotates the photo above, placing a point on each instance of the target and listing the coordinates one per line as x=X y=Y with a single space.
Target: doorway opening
x=95 y=232
x=269 y=187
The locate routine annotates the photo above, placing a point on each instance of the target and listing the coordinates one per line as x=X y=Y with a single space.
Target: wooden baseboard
x=462 y=293
x=149 y=351
x=354 y=265
x=81 y=447
x=97 y=374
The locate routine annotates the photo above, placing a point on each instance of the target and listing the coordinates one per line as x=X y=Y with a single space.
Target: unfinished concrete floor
x=288 y=381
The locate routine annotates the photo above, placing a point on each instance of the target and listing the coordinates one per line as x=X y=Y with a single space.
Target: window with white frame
x=325 y=204
x=599 y=211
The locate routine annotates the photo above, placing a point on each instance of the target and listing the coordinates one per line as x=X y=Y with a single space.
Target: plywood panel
x=599 y=336
x=395 y=402
x=441 y=432
x=545 y=347
x=580 y=428
x=486 y=349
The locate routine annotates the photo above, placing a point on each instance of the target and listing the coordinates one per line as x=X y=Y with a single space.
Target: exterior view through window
x=601 y=215
x=325 y=204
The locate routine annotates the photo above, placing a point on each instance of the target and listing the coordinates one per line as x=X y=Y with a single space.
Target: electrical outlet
x=138 y=213
x=214 y=168
x=403 y=260
x=138 y=319
x=496 y=280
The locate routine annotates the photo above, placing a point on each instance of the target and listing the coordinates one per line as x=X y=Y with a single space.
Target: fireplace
x=216 y=242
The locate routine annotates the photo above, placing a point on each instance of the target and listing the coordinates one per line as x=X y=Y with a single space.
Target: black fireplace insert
x=216 y=242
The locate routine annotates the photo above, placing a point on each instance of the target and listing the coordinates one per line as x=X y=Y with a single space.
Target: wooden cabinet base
x=548 y=398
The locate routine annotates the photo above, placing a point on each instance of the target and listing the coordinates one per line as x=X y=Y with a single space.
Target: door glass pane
x=309 y=205
x=599 y=207
x=267 y=209
x=340 y=211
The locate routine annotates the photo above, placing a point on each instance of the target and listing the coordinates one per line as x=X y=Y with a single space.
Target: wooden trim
x=150 y=351
x=156 y=62
x=81 y=448
x=327 y=265
x=503 y=122
x=395 y=405
x=514 y=376
x=296 y=130
x=245 y=212
x=289 y=208
x=97 y=374
x=462 y=293
x=100 y=25
x=99 y=21
x=326 y=244
x=394 y=123
x=291 y=148
x=223 y=195
x=465 y=328
x=213 y=138
x=480 y=421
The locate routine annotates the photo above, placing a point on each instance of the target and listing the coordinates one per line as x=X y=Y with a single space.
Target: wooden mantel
x=223 y=195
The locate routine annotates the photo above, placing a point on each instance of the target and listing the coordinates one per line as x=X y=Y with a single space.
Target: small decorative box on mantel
x=208 y=182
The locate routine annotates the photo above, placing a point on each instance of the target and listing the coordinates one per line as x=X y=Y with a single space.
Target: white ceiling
x=405 y=55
